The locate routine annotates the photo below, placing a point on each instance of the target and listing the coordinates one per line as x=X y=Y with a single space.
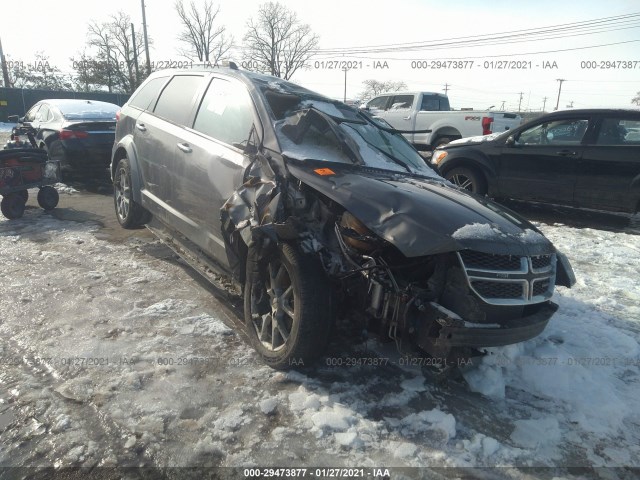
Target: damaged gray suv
x=316 y=210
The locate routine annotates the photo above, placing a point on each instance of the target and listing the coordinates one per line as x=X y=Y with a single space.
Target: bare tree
x=39 y=74
x=277 y=42
x=205 y=41
x=373 y=88
x=636 y=99
x=116 y=57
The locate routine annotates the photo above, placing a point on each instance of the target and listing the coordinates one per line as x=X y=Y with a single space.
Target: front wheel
x=48 y=197
x=467 y=178
x=130 y=214
x=287 y=308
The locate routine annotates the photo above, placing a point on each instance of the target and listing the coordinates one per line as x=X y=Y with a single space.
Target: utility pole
x=502 y=106
x=520 y=101
x=146 y=38
x=135 y=58
x=5 y=72
x=559 y=90
x=544 y=103
x=446 y=88
x=344 y=99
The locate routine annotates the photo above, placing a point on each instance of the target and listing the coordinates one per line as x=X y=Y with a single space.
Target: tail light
x=486 y=125
x=69 y=134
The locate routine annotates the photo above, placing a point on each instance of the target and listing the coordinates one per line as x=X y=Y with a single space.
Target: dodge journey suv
x=316 y=210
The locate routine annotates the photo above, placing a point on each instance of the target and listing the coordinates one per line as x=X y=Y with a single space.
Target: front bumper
x=515 y=331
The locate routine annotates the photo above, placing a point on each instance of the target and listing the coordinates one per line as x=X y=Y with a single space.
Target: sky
x=599 y=62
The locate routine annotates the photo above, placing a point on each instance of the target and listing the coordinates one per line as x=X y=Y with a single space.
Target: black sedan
x=580 y=158
x=78 y=133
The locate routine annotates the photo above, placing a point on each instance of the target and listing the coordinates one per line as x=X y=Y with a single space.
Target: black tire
x=12 y=206
x=48 y=197
x=24 y=194
x=300 y=299
x=468 y=178
x=130 y=214
x=441 y=141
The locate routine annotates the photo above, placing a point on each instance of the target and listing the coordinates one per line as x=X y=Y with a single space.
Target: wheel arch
x=126 y=149
x=445 y=131
x=475 y=162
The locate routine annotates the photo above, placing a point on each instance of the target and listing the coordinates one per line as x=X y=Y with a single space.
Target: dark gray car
x=315 y=210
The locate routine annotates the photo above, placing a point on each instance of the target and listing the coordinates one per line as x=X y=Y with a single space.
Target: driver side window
x=558 y=132
x=31 y=114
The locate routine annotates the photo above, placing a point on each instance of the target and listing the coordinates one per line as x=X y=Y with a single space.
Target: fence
x=16 y=101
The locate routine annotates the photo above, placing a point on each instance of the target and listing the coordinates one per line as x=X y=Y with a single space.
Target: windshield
x=324 y=131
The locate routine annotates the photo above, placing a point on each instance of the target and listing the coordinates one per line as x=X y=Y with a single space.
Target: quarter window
x=226 y=113
x=174 y=103
x=148 y=93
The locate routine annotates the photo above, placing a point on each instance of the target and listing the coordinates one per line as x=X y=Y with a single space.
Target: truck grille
x=509 y=279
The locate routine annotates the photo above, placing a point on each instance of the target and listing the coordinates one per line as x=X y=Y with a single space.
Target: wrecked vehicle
x=317 y=210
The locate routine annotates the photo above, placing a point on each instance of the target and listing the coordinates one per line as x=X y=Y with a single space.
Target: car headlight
x=438 y=156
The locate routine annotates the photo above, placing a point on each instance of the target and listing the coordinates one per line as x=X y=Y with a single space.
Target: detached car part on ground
x=325 y=212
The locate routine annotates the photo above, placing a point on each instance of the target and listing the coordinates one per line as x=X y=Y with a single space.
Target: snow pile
x=6 y=127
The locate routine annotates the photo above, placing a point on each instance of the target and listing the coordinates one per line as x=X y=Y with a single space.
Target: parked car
x=316 y=210
x=581 y=158
x=77 y=133
x=429 y=115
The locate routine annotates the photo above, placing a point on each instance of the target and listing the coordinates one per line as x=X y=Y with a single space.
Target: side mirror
x=511 y=141
x=15 y=119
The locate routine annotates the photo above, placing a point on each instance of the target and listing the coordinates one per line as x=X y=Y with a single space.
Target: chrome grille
x=509 y=279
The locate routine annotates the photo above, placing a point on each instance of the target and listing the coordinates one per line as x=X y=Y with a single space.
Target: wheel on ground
x=24 y=194
x=48 y=197
x=130 y=214
x=287 y=308
x=441 y=141
x=12 y=206
x=467 y=178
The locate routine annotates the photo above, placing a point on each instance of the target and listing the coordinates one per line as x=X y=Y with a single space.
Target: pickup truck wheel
x=467 y=178
x=48 y=197
x=130 y=214
x=441 y=141
x=286 y=308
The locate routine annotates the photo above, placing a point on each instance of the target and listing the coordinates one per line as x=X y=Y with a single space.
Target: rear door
x=156 y=135
x=610 y=163
x=542 y=163
x=210 y=160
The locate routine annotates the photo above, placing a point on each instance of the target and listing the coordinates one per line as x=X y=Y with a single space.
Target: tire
x=24 y=194
x=12 y=206
x=441 y=141
x=292 y=287
x=48 y=197
x=130 y=214
x=467 y=178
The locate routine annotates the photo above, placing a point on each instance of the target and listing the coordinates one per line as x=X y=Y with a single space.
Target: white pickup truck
x=431 y=111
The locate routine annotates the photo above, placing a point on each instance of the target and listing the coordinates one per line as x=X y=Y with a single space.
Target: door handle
x=566 y=153
x=184 y=147
x=141 y=127
x=407 y=118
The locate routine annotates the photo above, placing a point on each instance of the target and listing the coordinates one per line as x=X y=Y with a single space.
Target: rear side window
x=434 y=103
x=148 y=93
x=616 y=131
x=226 y=113
x=174 y=103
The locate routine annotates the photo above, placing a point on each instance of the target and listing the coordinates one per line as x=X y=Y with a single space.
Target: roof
x=70 y=104
x=590 y=111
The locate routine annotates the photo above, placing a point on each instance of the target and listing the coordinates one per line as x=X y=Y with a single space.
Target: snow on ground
x=117 y=354
x=6 y=127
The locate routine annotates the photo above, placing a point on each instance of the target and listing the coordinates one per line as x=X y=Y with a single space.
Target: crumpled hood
x=421 y=216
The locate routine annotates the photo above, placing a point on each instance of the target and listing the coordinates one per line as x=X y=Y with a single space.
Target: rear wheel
x=287 y=308
x=467 y=178
x=441 y=141
x=12 y=206
x=130 y=214
x=48 y=197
